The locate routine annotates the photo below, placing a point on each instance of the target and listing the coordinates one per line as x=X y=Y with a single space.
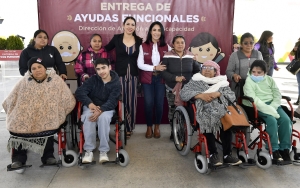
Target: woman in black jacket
x=296 y=52
x=180 y=67
x=127 y=50
x=40 y=48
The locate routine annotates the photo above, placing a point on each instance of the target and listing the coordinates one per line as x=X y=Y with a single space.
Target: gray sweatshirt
x=240 y=64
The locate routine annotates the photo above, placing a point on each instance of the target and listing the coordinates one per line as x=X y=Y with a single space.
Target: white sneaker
x=88 y=157
x=103 y=157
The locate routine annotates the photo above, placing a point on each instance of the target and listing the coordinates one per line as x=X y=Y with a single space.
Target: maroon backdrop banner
x=206 y=24
x=189 y=18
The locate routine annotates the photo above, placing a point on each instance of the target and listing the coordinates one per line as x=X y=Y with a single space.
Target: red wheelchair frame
x=263 y=159
x=183 y=131
x=122 y=156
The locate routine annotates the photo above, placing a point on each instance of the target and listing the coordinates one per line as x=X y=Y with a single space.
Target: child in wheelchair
x=99 y=95
x=209 y=89
x=36 y=109
x=267 y=98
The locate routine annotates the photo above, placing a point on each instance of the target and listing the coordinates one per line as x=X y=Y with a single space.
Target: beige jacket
x=35 y=107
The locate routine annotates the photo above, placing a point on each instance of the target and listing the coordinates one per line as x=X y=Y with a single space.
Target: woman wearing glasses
x=240 y=62
x=266 y=47
x=208 y=88
x=180 y=66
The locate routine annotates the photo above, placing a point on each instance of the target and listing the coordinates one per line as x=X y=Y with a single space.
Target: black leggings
x=226 y=138
x=21 y=155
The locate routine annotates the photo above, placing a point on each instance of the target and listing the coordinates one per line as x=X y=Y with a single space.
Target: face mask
x=256 y=78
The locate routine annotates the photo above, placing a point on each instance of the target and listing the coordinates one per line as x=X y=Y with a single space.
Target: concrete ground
x=153 y=162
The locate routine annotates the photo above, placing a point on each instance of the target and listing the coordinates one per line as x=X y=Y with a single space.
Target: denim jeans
x=154 y=94
x=298 y=81
x=270 y=72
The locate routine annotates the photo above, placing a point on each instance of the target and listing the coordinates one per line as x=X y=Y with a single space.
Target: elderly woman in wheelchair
x=36 y=109
x=209 y=90
x=267 y=98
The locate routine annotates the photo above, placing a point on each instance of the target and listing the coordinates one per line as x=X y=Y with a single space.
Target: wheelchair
x=66 y=158
x=183 y=130
x=264 y=159
x=119 y=139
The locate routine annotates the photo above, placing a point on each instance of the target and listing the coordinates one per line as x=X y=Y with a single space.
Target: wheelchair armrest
x=79 y=104
x=286 y=98
x=192 y=100
x=248 y=98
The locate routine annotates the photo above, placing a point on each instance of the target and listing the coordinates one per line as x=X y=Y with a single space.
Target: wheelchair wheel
x=182 y=130
x=201 y=164
x=70 y=159
x=264 y=161
x=123 y=157
x=242 y=156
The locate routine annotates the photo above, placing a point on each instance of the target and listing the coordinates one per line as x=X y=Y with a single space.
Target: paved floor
x=153 y=163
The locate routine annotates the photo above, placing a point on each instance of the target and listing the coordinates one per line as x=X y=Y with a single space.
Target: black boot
x=286 y=156
x=297 y=102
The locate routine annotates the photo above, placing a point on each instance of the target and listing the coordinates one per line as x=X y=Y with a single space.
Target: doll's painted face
x=204 y=52
x=67 y=44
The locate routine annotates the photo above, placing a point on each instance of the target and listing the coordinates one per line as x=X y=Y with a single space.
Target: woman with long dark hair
x=266 y=47
x=149 y=63
x=40 y=48
x=127 y=46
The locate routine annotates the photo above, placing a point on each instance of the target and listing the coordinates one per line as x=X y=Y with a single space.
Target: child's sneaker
x=103 y=157
x=88 y=157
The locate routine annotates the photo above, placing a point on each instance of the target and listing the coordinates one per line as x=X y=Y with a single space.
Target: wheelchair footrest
x=9 y=168
x=296 y=162
x=246 y=165
x=110 y=162
x=276 y=162
x=87 y=164
x=56 y=165
x=210 y=166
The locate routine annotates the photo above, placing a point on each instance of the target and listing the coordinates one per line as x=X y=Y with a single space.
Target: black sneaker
x=277 y=157
x=51 y=161
x=229 y=159
x=16 y=164
x=296 y=115
x=214 y=160
x=285 y=155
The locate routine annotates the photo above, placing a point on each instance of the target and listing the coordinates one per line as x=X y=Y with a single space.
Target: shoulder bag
x=293 y=67
x=234 y=117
